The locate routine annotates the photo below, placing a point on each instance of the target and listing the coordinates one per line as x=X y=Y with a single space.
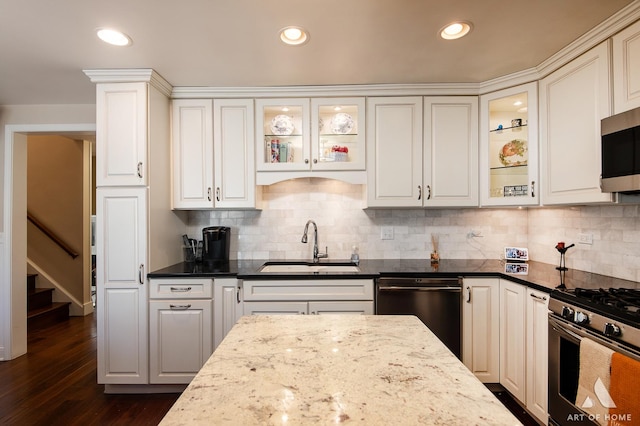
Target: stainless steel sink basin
x=310 y=268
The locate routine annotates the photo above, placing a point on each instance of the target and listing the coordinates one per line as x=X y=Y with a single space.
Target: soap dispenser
x=355 y=257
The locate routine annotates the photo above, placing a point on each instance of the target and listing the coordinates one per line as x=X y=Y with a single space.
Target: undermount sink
x=311 y=268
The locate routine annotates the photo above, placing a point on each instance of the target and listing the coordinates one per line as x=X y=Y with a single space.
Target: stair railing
x=52 y=235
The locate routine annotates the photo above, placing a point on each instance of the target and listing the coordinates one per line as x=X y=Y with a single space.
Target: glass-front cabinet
x=322 y=137
x=509 y=147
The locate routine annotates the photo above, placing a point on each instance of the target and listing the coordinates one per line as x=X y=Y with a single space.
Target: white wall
x=275 y=232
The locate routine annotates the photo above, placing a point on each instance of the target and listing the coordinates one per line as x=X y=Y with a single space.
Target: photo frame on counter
x=516 y=254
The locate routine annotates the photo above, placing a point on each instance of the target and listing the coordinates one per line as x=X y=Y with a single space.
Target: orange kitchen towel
x=625 y=391
x=594 y=379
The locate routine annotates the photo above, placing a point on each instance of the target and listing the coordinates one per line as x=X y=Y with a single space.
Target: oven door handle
x=564 y=329
x=398 y=288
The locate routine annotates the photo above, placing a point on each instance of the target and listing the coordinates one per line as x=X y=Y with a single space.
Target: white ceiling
x=45 y=44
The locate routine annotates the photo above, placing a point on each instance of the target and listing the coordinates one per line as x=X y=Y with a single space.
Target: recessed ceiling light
x=113 y=37
x=455 y=30
x=294 y=36
x=517 y=103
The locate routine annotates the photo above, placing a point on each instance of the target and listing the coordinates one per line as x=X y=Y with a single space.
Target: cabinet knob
x=315 y=161
x=306 y=161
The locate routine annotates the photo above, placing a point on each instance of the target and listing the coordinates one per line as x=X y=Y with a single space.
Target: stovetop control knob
x=567 y=313
x=581 y=318
x=611 y=330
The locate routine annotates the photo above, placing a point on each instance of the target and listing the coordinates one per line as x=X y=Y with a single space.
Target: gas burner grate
x=619 y=299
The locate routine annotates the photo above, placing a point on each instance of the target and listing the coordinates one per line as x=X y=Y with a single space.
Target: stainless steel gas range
x=589 y=325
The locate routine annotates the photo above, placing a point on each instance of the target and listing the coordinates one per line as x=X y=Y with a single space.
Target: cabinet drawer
x=187 y=288
x=308 y=290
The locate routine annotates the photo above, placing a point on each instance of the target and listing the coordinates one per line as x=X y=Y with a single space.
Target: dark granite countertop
x=541 y=276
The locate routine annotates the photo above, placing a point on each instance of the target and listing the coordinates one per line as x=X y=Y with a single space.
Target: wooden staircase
x=41 y=310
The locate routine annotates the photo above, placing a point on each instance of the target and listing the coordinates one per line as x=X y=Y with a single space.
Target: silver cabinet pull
x=140 y=169
x=428 y=192
x=209 y=193
x=218 y=193
x=533 y=188
x=141 y=274
x=535 y=296
x=468 y=294
x=419 y=192
x=180 y=307
x=180 y=289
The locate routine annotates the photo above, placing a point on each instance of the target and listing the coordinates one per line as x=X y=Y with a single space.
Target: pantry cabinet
x=626 y=66
x=537 y=354
x=481 y=328
x=213 y=154
x=573 y=100
x=509 y=147
x=318 y=137
x=121 y=134
x=180 y=328
x=512 y=338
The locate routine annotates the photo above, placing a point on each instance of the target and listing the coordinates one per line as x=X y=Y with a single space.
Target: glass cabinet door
x=282 y=134
x=338 y=134
x=509 y=147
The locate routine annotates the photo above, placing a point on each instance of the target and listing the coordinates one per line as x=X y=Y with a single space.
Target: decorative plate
x=282 y=125
x=514 y=153
x=341 y=123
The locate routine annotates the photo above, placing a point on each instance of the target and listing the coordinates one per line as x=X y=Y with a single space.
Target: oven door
x=564 y=369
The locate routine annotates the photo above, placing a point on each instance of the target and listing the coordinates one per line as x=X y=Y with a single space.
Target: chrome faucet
x=316 y=254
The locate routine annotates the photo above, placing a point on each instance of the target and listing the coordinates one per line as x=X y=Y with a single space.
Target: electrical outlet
x=585 y=238
x=386 y=233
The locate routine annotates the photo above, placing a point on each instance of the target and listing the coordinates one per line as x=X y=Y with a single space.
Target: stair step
x=48 y=315
x=31 y=281
x=39 y=297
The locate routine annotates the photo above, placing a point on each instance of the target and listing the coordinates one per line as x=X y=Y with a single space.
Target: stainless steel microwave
x=621 y=152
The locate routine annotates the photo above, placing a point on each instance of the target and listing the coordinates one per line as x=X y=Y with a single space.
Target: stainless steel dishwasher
x=436 y=301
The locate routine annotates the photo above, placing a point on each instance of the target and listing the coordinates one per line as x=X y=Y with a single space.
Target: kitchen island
x=299 y=370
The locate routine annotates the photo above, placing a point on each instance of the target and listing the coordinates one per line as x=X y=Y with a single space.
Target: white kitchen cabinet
x=573 y=100
x=626 y=69
x=213 y=154
x=192 y=153
x=302 y=137
x=180 y=339
x=509 y=147
x=309 y=308
x=228 y=307
x=512 y=338
x=315 y=297
x=121 y=134
x=481 y=328
x=450 y=166
x=537 y=354
x=121 y=265
x=394 y=151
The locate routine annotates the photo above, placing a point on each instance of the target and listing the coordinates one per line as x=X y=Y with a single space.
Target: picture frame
x=516 y=253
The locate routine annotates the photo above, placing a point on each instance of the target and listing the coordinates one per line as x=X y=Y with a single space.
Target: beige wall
x=55 y=198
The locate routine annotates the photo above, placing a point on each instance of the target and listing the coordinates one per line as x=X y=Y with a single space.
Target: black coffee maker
x=215 y=244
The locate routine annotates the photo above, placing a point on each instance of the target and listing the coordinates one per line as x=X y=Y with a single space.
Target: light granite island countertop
x=352 y=369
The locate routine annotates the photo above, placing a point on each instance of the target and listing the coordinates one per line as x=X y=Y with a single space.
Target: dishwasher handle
x=412 y=288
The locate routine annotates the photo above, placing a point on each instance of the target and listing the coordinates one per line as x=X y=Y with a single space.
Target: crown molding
x=130 y=75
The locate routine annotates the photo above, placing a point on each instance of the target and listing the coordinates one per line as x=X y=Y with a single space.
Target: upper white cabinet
x=394 y=159
x=573 y=100
x=213 y=154
x=450 y=170
x=321 y=137
x=509 y=147
x=626 y=69
x=121 y=134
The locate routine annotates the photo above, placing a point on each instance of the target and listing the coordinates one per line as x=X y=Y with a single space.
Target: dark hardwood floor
x=55 y=383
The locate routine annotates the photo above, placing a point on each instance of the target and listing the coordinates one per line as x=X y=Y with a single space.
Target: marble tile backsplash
x=275 y=231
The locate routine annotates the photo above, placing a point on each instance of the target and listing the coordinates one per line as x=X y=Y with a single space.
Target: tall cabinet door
x=626 y=69
x=450 y=151
x=192 y=153
x=228 y=307
x=537 y=354
x=121 y=134
x=394 y=152
x=573 y=100
x=512 y=338
x=234 y=153
x=121 y=285
x=481 y=328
